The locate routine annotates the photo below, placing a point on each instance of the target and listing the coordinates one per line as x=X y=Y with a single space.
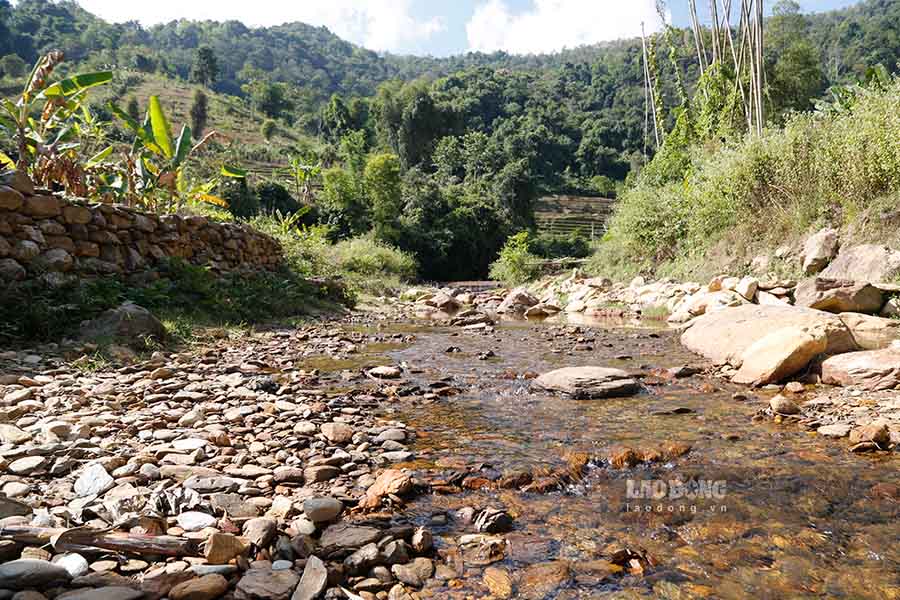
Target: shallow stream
x=784 y=513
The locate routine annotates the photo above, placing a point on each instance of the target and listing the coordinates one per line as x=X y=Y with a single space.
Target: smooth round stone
x=16 y=489
x=75 y=564
x=320 y=510
x=195 y=521
x=282 y=565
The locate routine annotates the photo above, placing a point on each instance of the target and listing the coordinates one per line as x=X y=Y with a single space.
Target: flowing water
x=784 y=513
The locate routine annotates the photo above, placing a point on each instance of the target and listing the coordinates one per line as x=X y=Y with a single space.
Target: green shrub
x=734 y=199
x=560 y=245
x=371 y=265
x=267 y=129
x=516 y=264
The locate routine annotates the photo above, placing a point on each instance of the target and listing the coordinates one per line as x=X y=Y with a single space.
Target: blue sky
x=436 y=27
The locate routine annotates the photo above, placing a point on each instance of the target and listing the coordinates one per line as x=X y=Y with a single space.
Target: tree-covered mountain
x=442 y=157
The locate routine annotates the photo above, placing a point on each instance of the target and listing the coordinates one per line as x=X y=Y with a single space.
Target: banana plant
x=155 y=167
x=42 y=123
x=304 y=174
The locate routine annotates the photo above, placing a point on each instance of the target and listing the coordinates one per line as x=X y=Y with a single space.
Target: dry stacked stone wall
x=42 y=233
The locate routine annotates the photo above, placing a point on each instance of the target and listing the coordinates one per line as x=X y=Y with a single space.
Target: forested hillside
x=442 y=157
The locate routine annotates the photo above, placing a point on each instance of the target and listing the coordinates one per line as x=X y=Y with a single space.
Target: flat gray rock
x=32 y=573
x=313 y=581
x=589 y=382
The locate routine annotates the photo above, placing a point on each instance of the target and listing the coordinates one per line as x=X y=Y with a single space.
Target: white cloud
x=551 y=25
x=375 y=24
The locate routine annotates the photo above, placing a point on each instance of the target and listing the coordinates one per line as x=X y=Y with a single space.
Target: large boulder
x=589 y=382
x=870 y=370
x=838 y=295
x=819 y=249
x=871 y=333
x=724 y=335
x=779 y=355
x=126 y=322
x=868 y=262
x=517 y=302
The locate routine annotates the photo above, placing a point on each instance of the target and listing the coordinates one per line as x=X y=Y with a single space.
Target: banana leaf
x=99 y=157
x=162 y=133
x=182 y=146
x=233 y=172
x=78 y=83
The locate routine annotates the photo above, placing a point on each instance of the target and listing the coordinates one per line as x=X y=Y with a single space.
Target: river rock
x=109 y=592
x=876 y=433
x=870 y=370
x=414 y=574
x=128 y=322
x=498 y=582
x=266 y=584
x=838 y=295
x=836 y=430
x=782 y=405
x=344 y=535
x=517 y=302
x=32 y=573
x=779 y=355
x=75 y=564
x=391 y=481
x=871 y=333
x=260 y=531
x=723 y=336
x=10 y=434
x=589 y=382
x=384 y=372
x=314 y=580
x=222 y=547
x=492 y=520
x=193 y=520
x=818 y=250
x=208 y=587
x=321 y=510
x=337 y=433
x=93 y=481
x=871 y=263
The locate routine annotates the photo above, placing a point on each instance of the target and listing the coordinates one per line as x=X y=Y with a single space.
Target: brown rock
x=10 y=199
x=871 y=333
x=266 y=584
x=540 y=580
x=778 y=355
x=838 y=295
x=223 y=547
x=724 y=335
x=207 y=587
x=869 y=370
x=876 y=433
x=42 y=206
x=390 y=481
x=868 y=262
x=498 y=582
x=337 y=433
x=76 y=215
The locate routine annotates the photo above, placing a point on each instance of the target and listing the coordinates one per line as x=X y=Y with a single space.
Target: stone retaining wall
x=41 y=233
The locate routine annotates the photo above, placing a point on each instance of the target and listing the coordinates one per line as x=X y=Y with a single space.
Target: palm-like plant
x=45 y=123
x=154 y=173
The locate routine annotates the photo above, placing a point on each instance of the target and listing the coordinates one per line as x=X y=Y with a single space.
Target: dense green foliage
x=443 y=158
x=839 y=166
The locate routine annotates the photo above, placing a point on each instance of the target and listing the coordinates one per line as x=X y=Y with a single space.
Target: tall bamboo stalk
x=649 y=86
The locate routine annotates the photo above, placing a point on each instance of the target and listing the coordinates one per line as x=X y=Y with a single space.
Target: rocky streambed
x=390 y=457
